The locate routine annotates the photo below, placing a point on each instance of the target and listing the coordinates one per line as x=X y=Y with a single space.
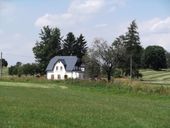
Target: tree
x=16 y=70
x=133 y=50
x=69 y=45
x=73 y=46
x=30 y=69
x=80 y=46
x=155 y=57
x=18 y=64
x=12 y=70
x=48 y=47
x=27 y=69
x=24 y=69
x=168 y=59
x=92 y=65
x=4 y=63
x=119 y=46
x=107 y=56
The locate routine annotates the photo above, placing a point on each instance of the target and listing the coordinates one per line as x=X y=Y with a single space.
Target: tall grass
x=121 y=85
x=140 y=87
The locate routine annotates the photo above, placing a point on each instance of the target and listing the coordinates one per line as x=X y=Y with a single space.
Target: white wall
x=62 y=72
x=59 y=69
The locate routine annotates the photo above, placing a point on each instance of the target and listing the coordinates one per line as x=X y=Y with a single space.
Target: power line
x=1 y=66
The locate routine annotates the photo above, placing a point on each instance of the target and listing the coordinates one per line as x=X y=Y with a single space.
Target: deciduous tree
x=48 y=46
x=155 y=57
x=92 y=65
x=107 y=56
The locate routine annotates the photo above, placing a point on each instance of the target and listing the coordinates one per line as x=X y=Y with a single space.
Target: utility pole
x=1 y=66
x=131 y=67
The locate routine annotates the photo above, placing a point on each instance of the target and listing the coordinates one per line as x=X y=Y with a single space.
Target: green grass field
x=63 y=105
x=156 y=77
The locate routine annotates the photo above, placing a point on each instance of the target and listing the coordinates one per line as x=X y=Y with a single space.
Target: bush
x=117 y=73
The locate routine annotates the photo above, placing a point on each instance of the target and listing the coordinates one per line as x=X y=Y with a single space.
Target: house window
x=61 y=68
x=56 y=68
x=52 y=77
x=59 y=77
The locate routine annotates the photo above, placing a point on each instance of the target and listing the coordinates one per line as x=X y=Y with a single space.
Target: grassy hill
x=63 y=105
x=157 y=77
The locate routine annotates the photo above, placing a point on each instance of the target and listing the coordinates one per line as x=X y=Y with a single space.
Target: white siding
x=59 y=70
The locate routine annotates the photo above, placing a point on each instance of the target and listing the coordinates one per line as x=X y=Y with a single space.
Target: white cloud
x=156 y=25
x=155 y=32
x=161 y=39
x=65 y=19
x=79 y=11
x=114 y=4
x=86 y=6
x=162 y=25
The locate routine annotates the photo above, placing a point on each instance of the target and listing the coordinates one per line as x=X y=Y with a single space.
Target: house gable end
x=59 y=64
x=68 y=61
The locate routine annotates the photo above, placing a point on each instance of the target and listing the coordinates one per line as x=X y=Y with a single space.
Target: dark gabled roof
x=68 y=61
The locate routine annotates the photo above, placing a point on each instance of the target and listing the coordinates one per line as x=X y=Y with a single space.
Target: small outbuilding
x=65 y=67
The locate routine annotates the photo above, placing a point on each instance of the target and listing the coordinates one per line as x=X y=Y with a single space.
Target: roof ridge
x=69 y=60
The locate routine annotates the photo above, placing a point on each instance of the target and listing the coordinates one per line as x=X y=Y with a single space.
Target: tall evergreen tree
x=133 y=50
x=80 y=46
x=48 y=47
x=69 y=45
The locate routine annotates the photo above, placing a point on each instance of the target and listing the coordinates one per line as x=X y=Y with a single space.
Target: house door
x=52 y=77
x=59 y=77
x=65 y=77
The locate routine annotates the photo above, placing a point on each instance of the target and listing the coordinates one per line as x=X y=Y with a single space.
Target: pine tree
x=80 y=46
x=133 y=50
x=132 y=42
x=69 y=45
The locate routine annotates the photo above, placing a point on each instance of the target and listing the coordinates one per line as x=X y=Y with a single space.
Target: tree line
x=53 y=44
x=20 y=69
x=123 y=57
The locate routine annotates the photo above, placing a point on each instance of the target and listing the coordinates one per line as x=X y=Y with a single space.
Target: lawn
x=156 y=77
x=63 y=105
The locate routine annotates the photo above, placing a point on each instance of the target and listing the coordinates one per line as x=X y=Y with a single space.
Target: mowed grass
x=62 y=105
x=156 y=77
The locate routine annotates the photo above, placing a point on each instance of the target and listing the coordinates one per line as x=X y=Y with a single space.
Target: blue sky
x=21 y=21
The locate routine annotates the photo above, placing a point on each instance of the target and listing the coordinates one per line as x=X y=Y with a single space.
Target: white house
x=64 y=67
